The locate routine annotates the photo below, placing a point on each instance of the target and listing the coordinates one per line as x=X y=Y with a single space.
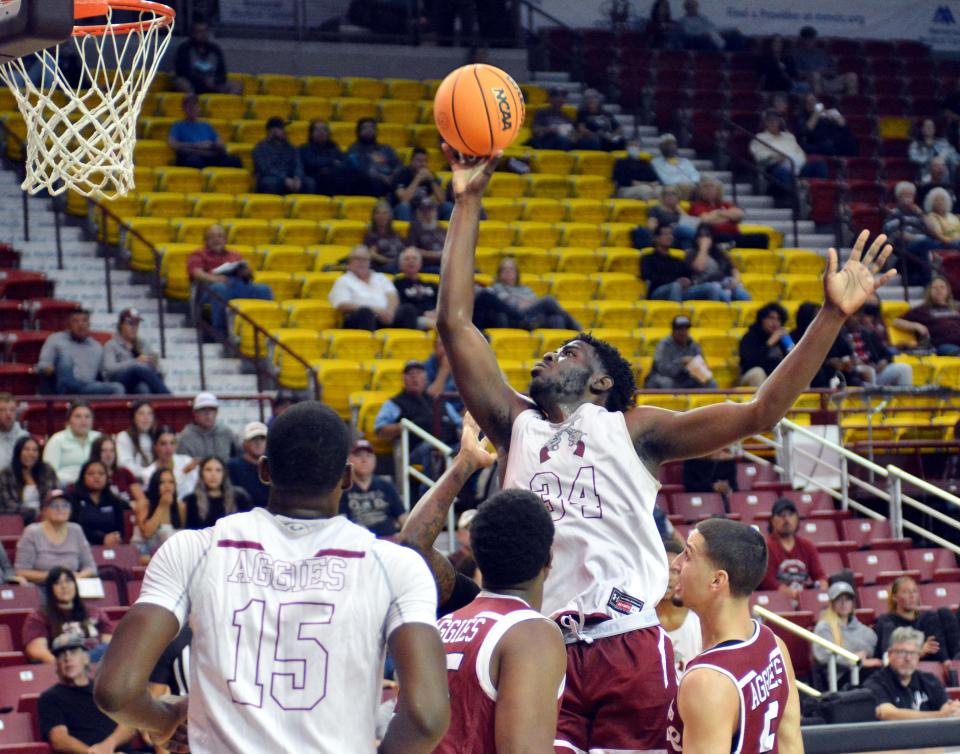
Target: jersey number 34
x=582 y=493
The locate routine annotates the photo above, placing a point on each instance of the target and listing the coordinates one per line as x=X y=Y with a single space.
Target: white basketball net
x=82 y=128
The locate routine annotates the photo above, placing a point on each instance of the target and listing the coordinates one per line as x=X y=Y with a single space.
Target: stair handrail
x=835 y=650
x=408 y=472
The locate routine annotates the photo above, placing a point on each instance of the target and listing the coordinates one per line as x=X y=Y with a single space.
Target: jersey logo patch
x=575 y=440
x=624 y=603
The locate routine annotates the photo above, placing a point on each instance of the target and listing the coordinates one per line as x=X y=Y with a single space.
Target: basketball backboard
x=28 y=26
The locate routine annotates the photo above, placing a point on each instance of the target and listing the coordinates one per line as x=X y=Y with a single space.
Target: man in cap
x=552 y=127
x=792 y=563
x=678 y=361
x=74 y=359
x=371 y=501
x=127 y=359
x=673 y=170
x=276 y=163
x=413 y=184
x=426 y=234
x=204 y=436
x=243 y=469
x=70 y=720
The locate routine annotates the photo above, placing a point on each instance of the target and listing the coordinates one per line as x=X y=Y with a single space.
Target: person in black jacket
x=664 y=274
x=634 y=176
x=840 y=361
x=325 y=162
x=876 y=364
x=200 y=66
x=764 y=345
x=904 y=603
x=98 y=511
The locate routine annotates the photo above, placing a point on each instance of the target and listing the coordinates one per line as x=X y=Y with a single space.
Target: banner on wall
x=933 y=22
x=282 y=13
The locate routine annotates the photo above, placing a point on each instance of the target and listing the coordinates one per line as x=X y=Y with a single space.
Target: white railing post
x=832 y=672
x=844 y=483
x=405 y=464
x=407 y=428
x=896 y=506
x=786 y=452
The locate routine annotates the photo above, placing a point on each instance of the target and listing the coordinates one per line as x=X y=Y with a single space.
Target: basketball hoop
x=82 y=114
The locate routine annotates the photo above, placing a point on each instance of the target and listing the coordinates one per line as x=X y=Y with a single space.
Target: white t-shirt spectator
x=373 y=294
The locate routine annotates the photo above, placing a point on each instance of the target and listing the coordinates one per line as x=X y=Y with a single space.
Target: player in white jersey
x=580 y=443
x=292 y=609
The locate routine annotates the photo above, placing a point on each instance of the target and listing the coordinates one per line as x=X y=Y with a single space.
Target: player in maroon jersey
x=745 y=670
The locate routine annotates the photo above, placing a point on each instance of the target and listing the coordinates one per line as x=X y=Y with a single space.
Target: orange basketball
x=478 y=110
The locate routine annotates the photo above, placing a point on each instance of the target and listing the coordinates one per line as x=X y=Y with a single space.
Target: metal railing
x=408 y=471
x=835 y=650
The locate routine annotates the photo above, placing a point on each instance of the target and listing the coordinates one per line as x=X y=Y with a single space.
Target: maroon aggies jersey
x=757 y=668
x=470 y=636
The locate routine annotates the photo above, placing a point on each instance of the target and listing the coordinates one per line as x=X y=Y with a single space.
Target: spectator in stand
x=464 y=549
x=698 y=32
x=903 y=603
x=285 y=398
x=413 y=184
x=529 y=310
x=53 y=541
x=875 y=359
x=840 y=362
x=202 y=263
x=426 y=234
x=129 y=360
x=942 y=224
x=10 y=429
x=667 y=277
x=710 y=208
x=634 y=175
x=681 y=623
x=661 y=30
x=67 y=450
x=824 y=131
x=100 y=513
x=678 y=361
x=366 y=299
x=205 y=436
x=382 y=239
x=64 y=612
x=939 y=178
x=936 y=321
x=764 y=345
x=371 y=501
x=951 y=111
x=597 y=129
x=239 y=284
x=276 y=163
x=710 y=265
x=439 y=375
x=243 y=470
x=716 y=472
x=667 y=212
x=375 y=164
x=159 y=519
x=135 y=443
x=838 y=623
x=197 y=143
x=792 y=563
x=26 y=481
x=324 y=162
x=673 y=170
x=200 y=67
x=904 y=693
x=413 y=290
x=775 y=68
x=184 y=467
x=906 y=227
x=926 y=147
x=213 y=498
x=552 y=127
x=73 y=358
x=120 y=480
x=776 y=150
x=69 y=719
x=814 y=66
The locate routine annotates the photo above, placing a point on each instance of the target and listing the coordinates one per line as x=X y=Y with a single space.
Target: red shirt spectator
x=202 y=263
x=792 y=561
x=722 y=217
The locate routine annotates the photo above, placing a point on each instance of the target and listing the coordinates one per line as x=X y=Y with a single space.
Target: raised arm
x=662 y=435
x=485 y=392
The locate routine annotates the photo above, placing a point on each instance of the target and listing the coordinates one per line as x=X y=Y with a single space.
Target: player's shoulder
x=393 y=554
x=703 y=680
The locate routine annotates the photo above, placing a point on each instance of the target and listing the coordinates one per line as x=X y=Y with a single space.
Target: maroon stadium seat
x=823 y=532
x=133 y=590
x=6 y=639
x=12 y=316
x=931 y=561
x=11 y=524
x=111 y=596
x=935 y=669
x=19 y=596
x=34 y=748
x=24 y=347
x=811 y=504
x=876 y=566
x=813 y=600
x=694 y=506
x=19 y=379
x=874 y=598
x=774 y=600
x=16 y=728
x=24 y=679
x=752 y=505
x=749 y=474
x=50 y=313
x=832 y=562
x=19 y=285
x=868 y=532
x=936 y=595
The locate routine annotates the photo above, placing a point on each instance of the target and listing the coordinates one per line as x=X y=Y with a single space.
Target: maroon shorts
x=618 y=694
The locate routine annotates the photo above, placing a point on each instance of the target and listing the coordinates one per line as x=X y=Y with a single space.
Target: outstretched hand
x=472 y=449
x=470 y=174
x=849 y=289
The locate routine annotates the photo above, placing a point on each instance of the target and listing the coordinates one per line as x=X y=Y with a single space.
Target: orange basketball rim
x=162 y=15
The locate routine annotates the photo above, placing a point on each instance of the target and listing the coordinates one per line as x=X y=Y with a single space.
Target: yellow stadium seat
x=266 y=314
x=322 y=86
x=387 y=375
x=553 y=161
x=165 y=204
x=757 y=261
x=618 y=234
x=664 y=400
x=747 y=311
x=311 y=108
x=641 y=368
x=487 y=259
x=351 y=344
x=570 y=286
x=582 y=234
x=542 y=210
x=660 y=313
x=253 y=231
x=579 y=310
x=547 y=186
x=594 y=163
x=313 y=314
x=228 y=106
x=537 y=283
x=191 y=229
x=633 y=211
x=317 y=285
x=122 y=207
x=395 y=135
x=261 y=107
x=803 y=288
x=715 y=343
x=516 y=373
x=574 y=259
x=402 y=344
x=424 y=135
x=364 y=88
x=774 y=236
x=530 y=259
x=260 y=206
x=615 y=315
x=590 y=186
x=649 y=337
x=513 y=345
x=179 y=180
x=338 y=378
x=279 y=85
x=285 y=258
x=894 y=309
x=247 y=81
x=502 y=209
x=947 y=370
x=405 y=89
x=352 y=109
x=248 y=131
x=553 y=340
x=496 y=234
x=762 y=287
x=713 y=314
x=592 y=211
x=398 y=111
x=152 y=153
x=426 y=111
x=618 y=286
x=345 y=232
x=299 y=232
x=620 y=338
x=542 y=235
x=357 y=207
x=305 y=343
x=253 y=256
x=213 y=205
x=173 y=269
x=153 y=230
x=244 y=152
x=227 y=180
x=283 y=284
x=534 y=95
x=156 y=128
x=802 y=262
x=328 y=256
x=507 y=185
x=310 y=207
x=622 y=260
x=432 y=85
x=170 y=104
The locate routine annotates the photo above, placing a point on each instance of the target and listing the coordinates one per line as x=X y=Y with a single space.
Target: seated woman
x=942 y=224
x=165 y=456
x=927 y=146
x=67 y=450
x=213 y=498
x=158 y=517
x=597 y=128
x=383 y=241
x=53 y=541
x=903 y=602
x=764 y=345
x=824 y=131
x=121 y=481
x=135 y=443
x=530 y=311
x=838 y=623
x=64 y=612
x=96 y=508
x=936 y=321
x=26 y=481
x=723 y=217
x=710 y=265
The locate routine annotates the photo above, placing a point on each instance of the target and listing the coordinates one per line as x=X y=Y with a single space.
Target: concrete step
x=765 y=215
x=546 y=78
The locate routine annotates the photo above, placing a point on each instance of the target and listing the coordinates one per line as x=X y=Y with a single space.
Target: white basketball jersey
x=290 y=619
x=608 y=555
